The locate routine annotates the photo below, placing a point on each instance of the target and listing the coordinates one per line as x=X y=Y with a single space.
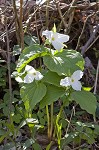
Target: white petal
x=18 y=79
x=57 y=45
x=77 y=75
x=29 y=69
x=48 y=34
x=63 y=38
x=65 y=82
x=54 y=35
x=38 y=76
x=76 y=85
x=28 y=78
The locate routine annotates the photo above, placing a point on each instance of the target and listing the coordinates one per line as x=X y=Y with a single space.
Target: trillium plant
x=57 y=78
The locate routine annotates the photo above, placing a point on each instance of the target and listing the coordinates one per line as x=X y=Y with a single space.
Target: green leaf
x=33 y=93
x=30 y=53
x=2 y=105
x=97 y=111
x=42 y=121
x=53 y=94
x=16 y=50
x=4 y=136
x=68 y=139
x=36 y=146
x=30 y=40
x=6 y=110
x=64 y=62
x=49 y=146
x=17 y=118
x=9 y=146
x=28 y=143
x=52 y=78
x=2 y=132
x=87 y=88
x=86 y=100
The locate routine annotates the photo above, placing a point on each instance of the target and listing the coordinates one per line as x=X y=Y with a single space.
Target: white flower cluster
x=30 y=76
x=57 y=40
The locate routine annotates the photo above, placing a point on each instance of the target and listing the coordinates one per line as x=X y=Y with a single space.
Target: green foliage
x=3 y=71
x=30 y=53
x=16 y=118
x=86 y=100
x=48 y=90
x=52 y=78
x=28 y=106
x=83 y=131
x=36 y=146
x=41 y=115
x=53 y=94
x=16 y=50
x=30 y=40
x=33 y=93
x=6 y=100
x=9 y=146
x=28 y=143
x=64 y=62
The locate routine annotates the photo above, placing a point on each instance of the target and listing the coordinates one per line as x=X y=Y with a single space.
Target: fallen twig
x=97 y=73
x=83 y=31
x=90 y=41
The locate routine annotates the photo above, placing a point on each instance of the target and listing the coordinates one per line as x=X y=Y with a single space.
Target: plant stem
x=57 y=120
x=58 y=116
x=61 y=109
x=48 y=121
x=51 y=129
x=9 y=69
x=70 y=119
x=21 y=25
x=47 y=14
x=17 y=26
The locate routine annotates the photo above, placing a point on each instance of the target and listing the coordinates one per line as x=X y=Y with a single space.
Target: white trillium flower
x=18 y=79
x=73 y=80
x=56 y=39
x=31 y=75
